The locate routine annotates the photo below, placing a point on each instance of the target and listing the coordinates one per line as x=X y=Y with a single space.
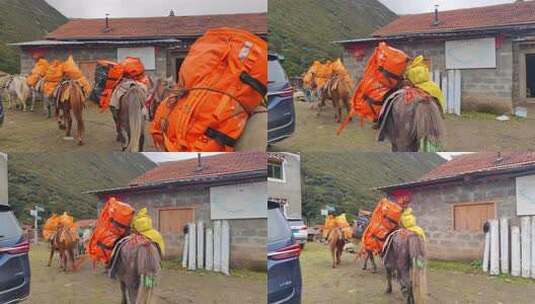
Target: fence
x=510 y=249
x=207 y=248
x=450 y=84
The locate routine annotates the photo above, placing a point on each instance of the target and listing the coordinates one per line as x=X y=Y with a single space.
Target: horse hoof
x=388 y=291
x=80 y=143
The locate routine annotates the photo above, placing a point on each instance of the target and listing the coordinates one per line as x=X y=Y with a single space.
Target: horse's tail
x=76 y=100
x=148 y=263
x=429 y=122
x=418 y=269
x=134 y=100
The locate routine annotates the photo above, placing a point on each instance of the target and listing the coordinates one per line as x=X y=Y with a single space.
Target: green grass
x=303 y=30
x=176 y=265
x=473 y=267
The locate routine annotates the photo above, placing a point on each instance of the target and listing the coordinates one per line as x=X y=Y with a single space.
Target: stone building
x=492 y=46
x=162 y=43
x=453 y=201
x=230 y=186
x=284 y=182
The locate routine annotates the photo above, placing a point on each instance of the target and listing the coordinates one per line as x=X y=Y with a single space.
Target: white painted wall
x=239 y=201
x=471 y=54
x=3 y=179
x=525 y=195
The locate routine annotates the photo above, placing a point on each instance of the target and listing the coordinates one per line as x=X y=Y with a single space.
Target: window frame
x=283 y=172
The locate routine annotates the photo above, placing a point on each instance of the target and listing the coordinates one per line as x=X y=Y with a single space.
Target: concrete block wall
x=248 y=240
x=433 y=208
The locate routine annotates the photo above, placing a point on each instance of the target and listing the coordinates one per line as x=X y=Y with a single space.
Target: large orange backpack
x=384 y=220
x=222 y=81
x=104 y=86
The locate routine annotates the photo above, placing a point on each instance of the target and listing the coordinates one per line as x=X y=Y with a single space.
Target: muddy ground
x=32 y=131
x=51 y=286
x=349 y=284
x=471 y=132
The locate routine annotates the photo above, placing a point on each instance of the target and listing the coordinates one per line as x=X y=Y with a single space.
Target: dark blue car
x=284 y=271
x=1 y=112
x=14 y=260
x=281 y=111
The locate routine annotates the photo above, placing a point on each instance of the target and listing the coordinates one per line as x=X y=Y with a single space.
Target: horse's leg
x=333 y=254
x=123 y=293
x=365 y=266
x=388 y=280
x=67 y=118
x=70 y=253
x=115 y=114
x=405 y=282
x=372 y=259
x=51 y=256
x=141 y=141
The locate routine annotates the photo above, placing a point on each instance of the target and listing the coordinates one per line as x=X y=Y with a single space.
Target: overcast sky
x=425 y=6
x=138 y=8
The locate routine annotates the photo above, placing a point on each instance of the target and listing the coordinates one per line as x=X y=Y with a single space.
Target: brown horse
x=136 y=266
x=64 y=241
x=408 y=117
x=70 y=101
x=404 y=258
x=336 y=242
x=339 y=92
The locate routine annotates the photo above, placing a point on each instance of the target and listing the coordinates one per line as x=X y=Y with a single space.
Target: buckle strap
x=222 y=138
x=120 y=225
x=256 y=84
x=389 y=74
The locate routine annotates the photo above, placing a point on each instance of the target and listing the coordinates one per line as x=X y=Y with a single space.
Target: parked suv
x=281 y=111
x=299 y=230
x=14 y=261
x=284 y=270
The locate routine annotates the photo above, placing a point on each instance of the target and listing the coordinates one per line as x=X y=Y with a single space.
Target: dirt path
x=32 y=131
x=349 y=284
x=48 y=285
x=472 y=132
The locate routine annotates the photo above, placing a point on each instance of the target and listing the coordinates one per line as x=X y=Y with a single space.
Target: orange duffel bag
x=391 y=65
x=384 y=220
x=133 y=68
x=114 y=76
x=101 y=244
x=222 y=81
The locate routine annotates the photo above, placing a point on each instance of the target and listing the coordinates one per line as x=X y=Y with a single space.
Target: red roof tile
x=504 y=15
x=216 y=165
x=157 y=27
x=480 y=162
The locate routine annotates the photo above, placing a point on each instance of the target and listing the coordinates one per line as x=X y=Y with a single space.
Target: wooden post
x=209 y=249
x=533 y=247
x=457 y=91
x=525 y=241
x=504 y=244
x=494 y=248
x=192 y=259
x=185 y=251
x=486 y=252
x=200 y=245
x=217 y=246
x=225 y=248
x=515 y=251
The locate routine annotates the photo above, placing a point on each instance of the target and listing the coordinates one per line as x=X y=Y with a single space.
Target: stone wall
x=489 y=90
x=433 y=207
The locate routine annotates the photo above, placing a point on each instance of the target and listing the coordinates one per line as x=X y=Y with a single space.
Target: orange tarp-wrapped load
x=53 y=76
x=73 y=72
x=339 y=69
x=114 y=73
x=38 y=72
x=385 y=218
x=323 y=74
x=52 y=223
x=133 y=68
x=383 y=73
x=332 y=222
x=112 y=224
x=222 y=81
x=310 y=74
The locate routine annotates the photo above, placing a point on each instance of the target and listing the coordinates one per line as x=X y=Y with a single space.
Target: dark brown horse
x=70 y=102
x=339 y=92
x=409 y=116
x=336 y=243
x=64 y=241
x=404 y=257
x=137 y=267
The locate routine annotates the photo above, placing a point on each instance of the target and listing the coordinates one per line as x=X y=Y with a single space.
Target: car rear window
x=276 y=72
x=278 y=228
x=9 y=227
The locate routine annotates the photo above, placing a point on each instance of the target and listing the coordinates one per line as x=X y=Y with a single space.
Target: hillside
x=303 y=30
x=22 y=20
x=346 y=180
x=56 y=181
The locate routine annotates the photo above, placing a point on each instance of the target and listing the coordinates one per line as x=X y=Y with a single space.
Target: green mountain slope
x=22 y=20
x=303 y=30
x=346 y=180
x=57 y=181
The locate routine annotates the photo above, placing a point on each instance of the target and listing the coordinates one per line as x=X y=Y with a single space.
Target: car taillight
x=22 y=247
x=286 y=252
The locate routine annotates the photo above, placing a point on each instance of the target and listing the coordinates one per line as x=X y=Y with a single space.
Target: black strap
x=103 y=246
x=221 y=138
x=389 y=74
x=371 y=101
x=116 y=223
x=254 y=83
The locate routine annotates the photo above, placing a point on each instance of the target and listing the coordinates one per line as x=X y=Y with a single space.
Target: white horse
x=18 y=92
x=37 y=93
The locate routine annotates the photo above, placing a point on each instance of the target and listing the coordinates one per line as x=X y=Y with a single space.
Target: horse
x=408 y=117
x=70 y=101
x=136 y=266
x=404 y=257
x=358 y=231
x=64 y=241
x=37 y=92
x=162 y=88
x=18 y=92
x=336 y=243
x=339 y=92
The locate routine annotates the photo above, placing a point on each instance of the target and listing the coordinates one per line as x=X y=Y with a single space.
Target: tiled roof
x=157 y=27
x=212 y=166
x=504 y=15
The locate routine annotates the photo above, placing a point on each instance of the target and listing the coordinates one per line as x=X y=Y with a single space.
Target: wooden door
x=174 y=220
x=471 y=217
